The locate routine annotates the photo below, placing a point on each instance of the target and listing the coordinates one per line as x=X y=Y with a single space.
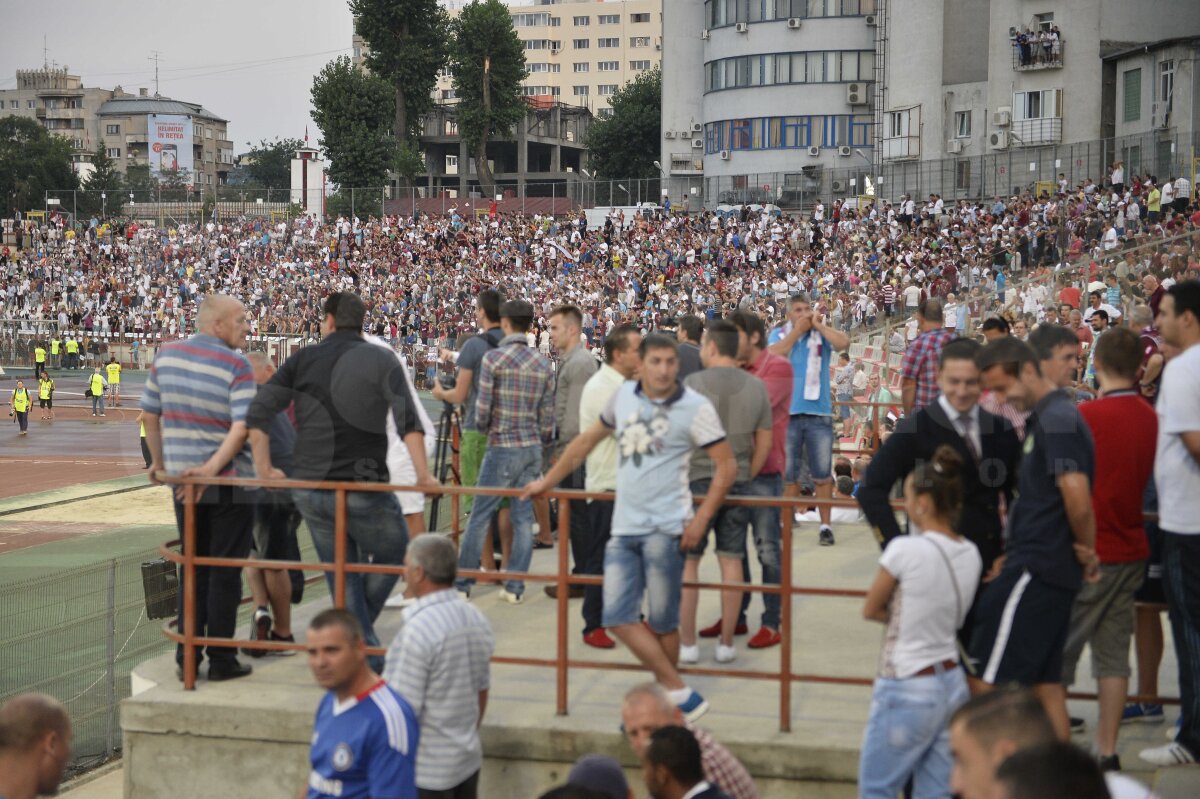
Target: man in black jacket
x=980 y=438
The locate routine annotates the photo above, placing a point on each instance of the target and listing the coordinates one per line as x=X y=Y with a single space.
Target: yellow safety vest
x=20 y=400
x=114 y=372
x=55 y=346
x=72 y=346
x=97 y=385
x=45 y=389
x=40 y=354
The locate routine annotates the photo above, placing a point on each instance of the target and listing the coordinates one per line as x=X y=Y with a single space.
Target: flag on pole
x=306 y=135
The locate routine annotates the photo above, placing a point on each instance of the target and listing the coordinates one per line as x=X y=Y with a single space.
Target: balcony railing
x=690 y=163
x=1028 y=56
x=895 y=147
x=1027 y=132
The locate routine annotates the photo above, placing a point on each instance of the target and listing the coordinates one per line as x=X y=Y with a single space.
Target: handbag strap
x=953 y=581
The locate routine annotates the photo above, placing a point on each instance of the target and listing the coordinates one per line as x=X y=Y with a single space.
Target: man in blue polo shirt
x=365 y=735
x=658 y=424
x=1023 y=616
x=808 y=342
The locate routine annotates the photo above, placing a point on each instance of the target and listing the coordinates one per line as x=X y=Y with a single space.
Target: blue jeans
x=97 y=404
x=843 y=410
x=810 y=441
x=502 y=467
x=375 y=531
x=764 y=525
x=1181 y=579
x=637 y=565
x=907 y=735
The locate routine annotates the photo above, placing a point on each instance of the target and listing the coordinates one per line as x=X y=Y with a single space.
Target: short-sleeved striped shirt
x=439 y=661
x=199 y=387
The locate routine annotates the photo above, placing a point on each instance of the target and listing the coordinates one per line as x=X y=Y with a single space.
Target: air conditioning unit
x=843 y=151
x=553 y=51
x=1002 y=117
x=697 y=127
x=856 y=93
x=704 y=34
x=837 y=186
x=954 y=146
x=814 y=150
x=657 y=42
x=697 y=144
x=1160 y=116
x=871 y=20
x=741 y=27
x=724 y=155
x=670 y=134
x=793 y=22
x=998 y=140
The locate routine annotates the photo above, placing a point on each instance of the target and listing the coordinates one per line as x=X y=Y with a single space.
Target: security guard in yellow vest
x=21 y=403
x=46 y=397
x=72 y=353
x=39 y=358
x=113 y=369
x=55 y=352
x=96 y=385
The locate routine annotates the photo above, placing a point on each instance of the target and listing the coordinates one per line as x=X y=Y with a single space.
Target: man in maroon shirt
x=1125 y=429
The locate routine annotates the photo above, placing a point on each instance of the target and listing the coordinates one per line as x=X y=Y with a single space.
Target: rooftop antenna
x=154 y=54
x=45 y=53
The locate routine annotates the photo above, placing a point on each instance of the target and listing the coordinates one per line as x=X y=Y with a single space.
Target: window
x=555 y=22
x=581 y=44
x=112 y=130
x=639 y=17
x=582 y=66
x=30 y=103
x=604 y=113
x=962 y=175
x=897 y=124
x=1045 y=104
x=208 y=133
x=609 y=66
x=78 y=143
x=608 y=43
x=607 y=89
x=1131 y=84
x=962 y=124
x=639 y=66
x=452 y=162
x=580 y=91
x=536 y=44
x=540 y=66
x=1166 y=82
x=1043 y=22
x=448 y=94
x=610 y=19
x=14 y=103
x=529 y=20
x=638 y=41
x=582 y=22
x=114 y=152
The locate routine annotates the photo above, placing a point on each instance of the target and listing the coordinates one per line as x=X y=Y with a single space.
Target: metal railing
x=1035 y=54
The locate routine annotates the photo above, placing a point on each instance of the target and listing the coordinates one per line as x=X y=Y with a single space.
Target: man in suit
x=672 y=769
x=980 y=438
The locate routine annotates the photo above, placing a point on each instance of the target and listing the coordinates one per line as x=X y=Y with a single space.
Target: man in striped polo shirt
x=195 y=404
x=439 y=662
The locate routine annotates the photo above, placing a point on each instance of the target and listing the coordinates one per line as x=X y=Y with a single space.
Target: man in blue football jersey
x=364 y=742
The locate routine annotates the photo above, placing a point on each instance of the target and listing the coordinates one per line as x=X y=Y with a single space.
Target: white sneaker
x=689 y=654
x=1173 y=754
x=399 y=601
x=510 y=598
x=726 y=654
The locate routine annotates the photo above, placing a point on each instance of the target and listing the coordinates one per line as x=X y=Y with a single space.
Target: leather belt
x=945 y=665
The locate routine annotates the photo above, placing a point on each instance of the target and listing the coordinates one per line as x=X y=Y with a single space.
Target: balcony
x=1031 y=56
x=687 y=164
x=1031 y=132
x=898 y=147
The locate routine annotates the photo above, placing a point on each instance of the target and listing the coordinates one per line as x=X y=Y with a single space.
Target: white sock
x=679 y=696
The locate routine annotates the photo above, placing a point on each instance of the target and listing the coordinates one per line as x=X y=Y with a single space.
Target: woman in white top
x=924 y=588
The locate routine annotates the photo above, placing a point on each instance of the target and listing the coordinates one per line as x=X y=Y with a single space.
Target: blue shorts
x=810 y=438
x=730 y=522
x=650 y=564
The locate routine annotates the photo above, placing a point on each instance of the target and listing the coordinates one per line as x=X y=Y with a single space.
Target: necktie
x=965 y=426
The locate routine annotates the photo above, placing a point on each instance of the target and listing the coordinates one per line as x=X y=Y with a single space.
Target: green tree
x=139 y=181
x=103 y=179
x=354 y=111
x=32 y=162
x=270 y=163
x=408 y=45
x=625 y=145
x=489 y=64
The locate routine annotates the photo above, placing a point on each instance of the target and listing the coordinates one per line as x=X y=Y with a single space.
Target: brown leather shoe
x=573 y=592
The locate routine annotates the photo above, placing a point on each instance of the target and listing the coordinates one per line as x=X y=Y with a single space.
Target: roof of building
x=1119 y=50
x=134 y=105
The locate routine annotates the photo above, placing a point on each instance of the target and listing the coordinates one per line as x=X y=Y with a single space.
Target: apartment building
x=192 y=139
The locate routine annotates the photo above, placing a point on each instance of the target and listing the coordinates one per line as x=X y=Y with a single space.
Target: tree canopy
x=488 y=61
x=269 y=164
x=32 y=162
x=354 y=111
x=104 y=178
x=626 y=144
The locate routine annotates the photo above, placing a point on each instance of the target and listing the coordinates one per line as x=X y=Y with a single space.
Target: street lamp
x=628 y=201
x=103 y=205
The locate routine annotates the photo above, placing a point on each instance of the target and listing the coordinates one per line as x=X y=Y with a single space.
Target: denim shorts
x=650 y=564
x=730 y=522
x=810 y=438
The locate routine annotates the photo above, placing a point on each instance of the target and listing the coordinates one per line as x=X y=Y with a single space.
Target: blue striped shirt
x=439 y=661
x=199 y=388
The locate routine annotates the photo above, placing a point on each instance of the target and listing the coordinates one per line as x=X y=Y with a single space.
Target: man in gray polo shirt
x=575 y=367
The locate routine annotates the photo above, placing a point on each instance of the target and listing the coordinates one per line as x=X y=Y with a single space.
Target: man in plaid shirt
x=515 y=409
x=919 y=387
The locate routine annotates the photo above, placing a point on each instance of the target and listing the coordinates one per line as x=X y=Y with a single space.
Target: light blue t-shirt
x=823 y=406
x=655 y=442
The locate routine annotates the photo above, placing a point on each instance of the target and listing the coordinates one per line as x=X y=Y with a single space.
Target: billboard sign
x=170 y=139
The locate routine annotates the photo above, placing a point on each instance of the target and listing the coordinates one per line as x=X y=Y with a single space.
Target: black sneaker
x=1110 y=762
x=825 y=537
x=219 y=672
x=1077 y=725
x=260 y=630
x=282 y=653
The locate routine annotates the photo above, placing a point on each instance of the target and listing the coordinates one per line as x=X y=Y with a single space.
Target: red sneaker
x=714 y=630
x=599 y=639
x=764 y=638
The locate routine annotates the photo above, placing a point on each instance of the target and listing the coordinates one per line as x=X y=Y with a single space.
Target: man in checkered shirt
x=515 y=408
x=920 y=367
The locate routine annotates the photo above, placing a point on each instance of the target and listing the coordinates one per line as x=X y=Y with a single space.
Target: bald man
x=195 y=403
x=35 y=746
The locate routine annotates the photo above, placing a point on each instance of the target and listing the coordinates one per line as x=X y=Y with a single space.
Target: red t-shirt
x=776 y=373
x=1125 y=430
x=1069 y=295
